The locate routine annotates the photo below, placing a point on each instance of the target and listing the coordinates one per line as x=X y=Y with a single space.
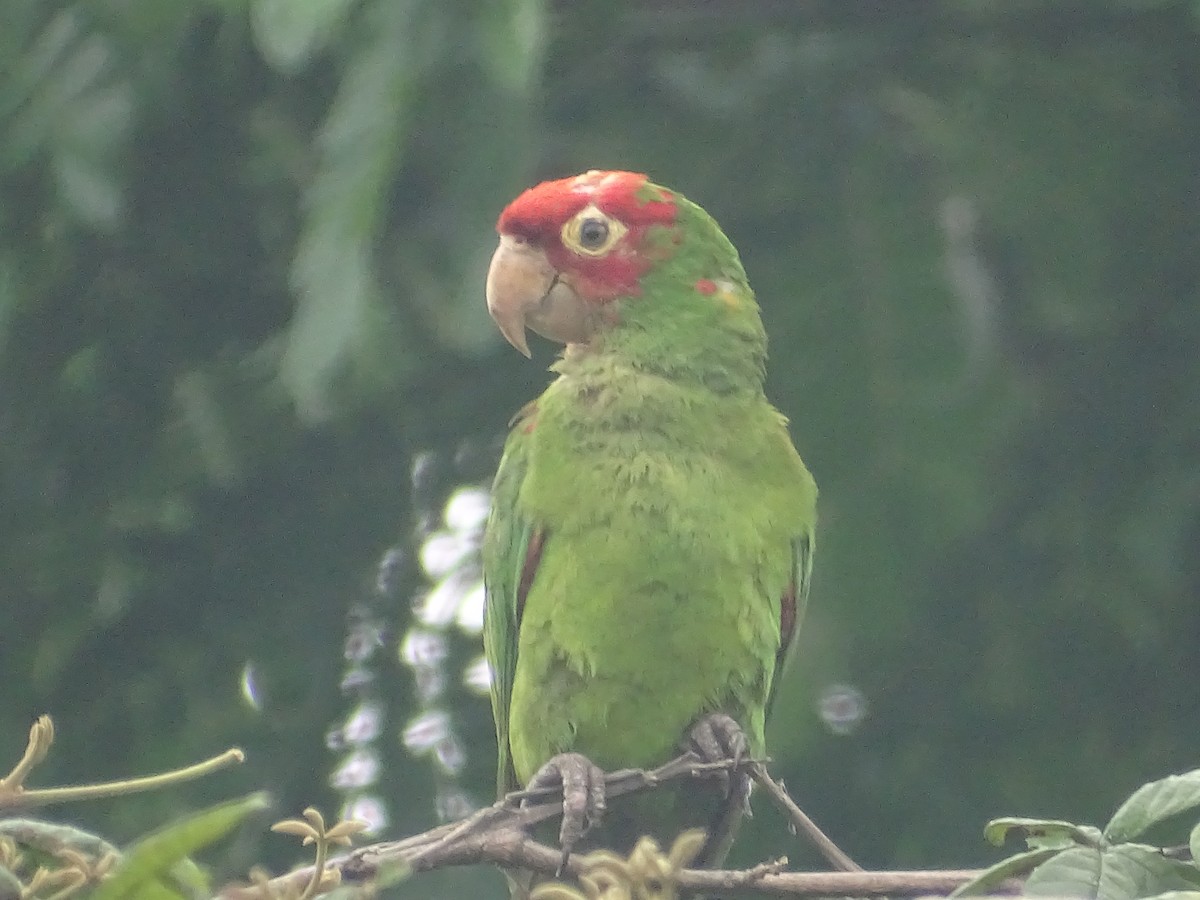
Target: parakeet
x=648 y=552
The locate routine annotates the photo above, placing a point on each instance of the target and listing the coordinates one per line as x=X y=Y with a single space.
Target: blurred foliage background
x=245 y=364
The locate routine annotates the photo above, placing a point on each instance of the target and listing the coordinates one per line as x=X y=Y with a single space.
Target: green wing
x=792 y=606
x=508 y=565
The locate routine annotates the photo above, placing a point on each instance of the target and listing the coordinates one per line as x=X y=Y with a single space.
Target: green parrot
x=649 y=548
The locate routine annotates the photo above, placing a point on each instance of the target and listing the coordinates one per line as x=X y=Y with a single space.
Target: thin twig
x=35 y=797
x=752 y=883
x=802 y=824
x=499 y=835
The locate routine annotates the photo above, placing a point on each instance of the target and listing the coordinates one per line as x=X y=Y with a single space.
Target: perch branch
x=499 y=835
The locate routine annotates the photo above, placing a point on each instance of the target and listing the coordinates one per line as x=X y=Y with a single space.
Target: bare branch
x=752 y=883
x=499 y=835
x=800 y=821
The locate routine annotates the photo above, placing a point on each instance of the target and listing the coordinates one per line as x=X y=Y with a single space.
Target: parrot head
x=580 y=256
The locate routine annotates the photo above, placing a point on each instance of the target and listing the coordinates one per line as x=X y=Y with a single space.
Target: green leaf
x=1043 y=834
x=189 y=877
x=1126 y=872
x=140 y=874
x=333 y=273
x=89 y=188
x=1175 y=895
x=512 y=38
x=87 y=151
x=1152 y=803
x=51 y=838
x=291 y=32
x=1017 y=866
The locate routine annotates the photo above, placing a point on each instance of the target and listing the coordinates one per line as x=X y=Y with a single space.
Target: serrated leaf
x=1125 y=872
x=1042 y=834
x=289 y=33
x=1015 y=866
x=155 y=855
x=1152 y=803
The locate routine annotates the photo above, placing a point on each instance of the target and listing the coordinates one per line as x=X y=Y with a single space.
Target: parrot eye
x=591 y=233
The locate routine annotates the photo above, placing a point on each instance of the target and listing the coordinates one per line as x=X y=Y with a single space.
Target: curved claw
x=582 y=784
x=715 y=737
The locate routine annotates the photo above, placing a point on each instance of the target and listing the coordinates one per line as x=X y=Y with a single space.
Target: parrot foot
x=582 y=784
x=716 y=737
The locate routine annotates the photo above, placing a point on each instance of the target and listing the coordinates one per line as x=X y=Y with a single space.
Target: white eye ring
x=592 y=233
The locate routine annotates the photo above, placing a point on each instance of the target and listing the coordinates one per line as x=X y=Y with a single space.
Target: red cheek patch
x=706 y=286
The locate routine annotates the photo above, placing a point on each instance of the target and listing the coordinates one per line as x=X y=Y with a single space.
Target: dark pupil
x=593 y=233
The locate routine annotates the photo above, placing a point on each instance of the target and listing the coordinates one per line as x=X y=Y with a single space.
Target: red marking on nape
x=533 y=556
x=706 y=286
x=539 y=214
x=528 y=411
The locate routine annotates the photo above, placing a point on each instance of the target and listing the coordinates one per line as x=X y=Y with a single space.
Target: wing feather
x=511 y=551
x=792 y=606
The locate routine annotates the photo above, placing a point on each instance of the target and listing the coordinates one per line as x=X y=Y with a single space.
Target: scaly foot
x=715 y=737
x=582 y=783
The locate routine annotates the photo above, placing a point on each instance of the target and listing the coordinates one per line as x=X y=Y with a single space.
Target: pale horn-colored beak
x=524 y=290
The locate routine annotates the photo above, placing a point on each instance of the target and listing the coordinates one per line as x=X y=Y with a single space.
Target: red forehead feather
x=542 y=210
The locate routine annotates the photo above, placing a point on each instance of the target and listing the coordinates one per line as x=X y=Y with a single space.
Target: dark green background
x=241 y=255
